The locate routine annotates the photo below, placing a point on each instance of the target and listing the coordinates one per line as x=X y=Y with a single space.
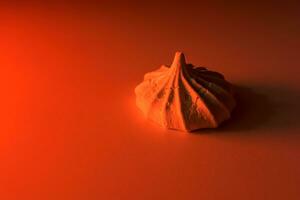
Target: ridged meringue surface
x=185 y=97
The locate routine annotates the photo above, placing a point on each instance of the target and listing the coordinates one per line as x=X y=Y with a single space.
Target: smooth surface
x=70 y=128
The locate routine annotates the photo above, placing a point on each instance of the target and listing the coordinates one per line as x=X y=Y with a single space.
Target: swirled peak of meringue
x=185 y=97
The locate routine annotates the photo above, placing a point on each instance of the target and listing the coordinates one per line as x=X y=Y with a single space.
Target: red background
x=69 y=125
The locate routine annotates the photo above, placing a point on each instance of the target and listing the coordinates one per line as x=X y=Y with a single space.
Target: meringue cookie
x=185 y=97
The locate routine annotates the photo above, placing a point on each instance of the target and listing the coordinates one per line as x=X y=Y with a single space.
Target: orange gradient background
x=69 y=125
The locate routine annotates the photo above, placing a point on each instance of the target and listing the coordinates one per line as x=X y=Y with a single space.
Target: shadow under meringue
x=262 y=108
